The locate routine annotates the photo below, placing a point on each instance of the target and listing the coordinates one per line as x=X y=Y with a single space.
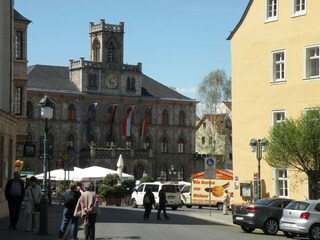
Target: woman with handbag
x=32 y=201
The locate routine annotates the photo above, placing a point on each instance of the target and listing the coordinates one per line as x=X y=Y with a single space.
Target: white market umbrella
x=120 y=166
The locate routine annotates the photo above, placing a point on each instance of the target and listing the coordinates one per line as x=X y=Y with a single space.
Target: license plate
x=239 y=218
x=170 y=197
x=288 y=224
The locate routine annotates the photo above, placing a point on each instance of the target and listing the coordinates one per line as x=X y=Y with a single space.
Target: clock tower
x=106 y=45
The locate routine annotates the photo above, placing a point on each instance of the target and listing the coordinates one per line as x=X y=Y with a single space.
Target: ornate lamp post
x=46 y=106
x=259 y=146
x=172 y=172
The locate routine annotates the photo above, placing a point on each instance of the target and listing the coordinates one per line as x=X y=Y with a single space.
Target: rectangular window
x=18 y=43
x=278 y=117
x=18 y=101
x=271 y=10
x=312 y=62
x=203 y=140
x=299 y=7
x=278 y=66
x=282 y=182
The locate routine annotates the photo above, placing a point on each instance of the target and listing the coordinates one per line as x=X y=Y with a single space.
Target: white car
x=172 y=194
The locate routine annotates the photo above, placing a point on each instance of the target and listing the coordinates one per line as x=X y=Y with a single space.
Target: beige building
x=95 y=99
x=275 y=75
x=214 y=136
x=12 y=76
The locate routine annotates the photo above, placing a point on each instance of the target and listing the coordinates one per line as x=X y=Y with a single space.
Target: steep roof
x=19 y=17
x=56 y=78
x=241 y=20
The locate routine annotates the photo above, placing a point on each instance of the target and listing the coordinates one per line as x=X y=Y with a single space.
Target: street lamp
x=46 y=106
x=259 y=146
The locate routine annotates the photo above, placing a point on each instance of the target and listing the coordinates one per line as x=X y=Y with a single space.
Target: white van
x=172 y=194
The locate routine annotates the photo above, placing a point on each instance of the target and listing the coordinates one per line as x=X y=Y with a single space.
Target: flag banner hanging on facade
x=91 y=111
x=145 y=122
x=126 y=129
x=111 y=120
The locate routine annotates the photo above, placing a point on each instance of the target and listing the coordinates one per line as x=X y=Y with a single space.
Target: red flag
x=145 y=122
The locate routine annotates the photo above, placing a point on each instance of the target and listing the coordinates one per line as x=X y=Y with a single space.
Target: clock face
x=111 y=81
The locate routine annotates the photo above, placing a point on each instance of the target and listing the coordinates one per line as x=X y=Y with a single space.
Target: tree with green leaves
x=295 y=143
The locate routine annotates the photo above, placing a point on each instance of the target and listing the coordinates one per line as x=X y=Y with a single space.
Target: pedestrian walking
x=162 y=204
x=225 y=202
x=14 y=193
x=32 y=203
x=71 y=197
x=148 y=201
x=88 y=208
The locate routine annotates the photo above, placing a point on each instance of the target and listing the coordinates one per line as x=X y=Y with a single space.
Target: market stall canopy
x=61 y=174
x=94 y=173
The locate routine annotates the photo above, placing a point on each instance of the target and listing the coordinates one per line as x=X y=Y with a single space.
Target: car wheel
x=174 y=208
x=271 y=226
x=247 y=229
x=289 y=234
x=189 y=206
x=314 y=232
x=220 y=206
x=134 y=203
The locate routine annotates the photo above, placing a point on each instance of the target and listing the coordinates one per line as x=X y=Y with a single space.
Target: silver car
x=301 y=218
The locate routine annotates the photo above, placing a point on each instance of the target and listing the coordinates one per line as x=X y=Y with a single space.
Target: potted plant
x=110 y=191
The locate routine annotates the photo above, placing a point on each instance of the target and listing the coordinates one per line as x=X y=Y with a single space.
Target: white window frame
x=277 y=113
x=310 y=58
x=274 y=4
x=302 y=7
x=282 y=182
x=281 y=63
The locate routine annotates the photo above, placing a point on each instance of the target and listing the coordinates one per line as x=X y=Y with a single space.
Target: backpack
x=70 y=199
x=146 y=199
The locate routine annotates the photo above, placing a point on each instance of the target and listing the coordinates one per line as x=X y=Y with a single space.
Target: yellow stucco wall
x=254 y=97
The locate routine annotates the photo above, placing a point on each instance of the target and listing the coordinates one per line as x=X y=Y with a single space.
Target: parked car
x=301 y=218
x=264 y=214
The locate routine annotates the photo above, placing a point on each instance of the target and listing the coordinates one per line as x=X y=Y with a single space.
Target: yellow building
x=275 y=75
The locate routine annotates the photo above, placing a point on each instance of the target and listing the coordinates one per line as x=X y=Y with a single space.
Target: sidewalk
x=54 y=220
x=55 y=216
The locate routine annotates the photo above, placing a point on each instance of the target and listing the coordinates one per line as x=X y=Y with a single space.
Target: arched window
x=131 y=84
x=71 y=112
x=164 y=117
x=110 y=53
x=70 y=142
x=180 y=173
x=182 y=118
x=146 y=143
x=29 y=109
x=180 y=146
x=164 y=145
x=163 y=172
x=96 y=50
x=92 y=80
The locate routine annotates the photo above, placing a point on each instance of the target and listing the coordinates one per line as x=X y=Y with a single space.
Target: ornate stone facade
x=93 y=99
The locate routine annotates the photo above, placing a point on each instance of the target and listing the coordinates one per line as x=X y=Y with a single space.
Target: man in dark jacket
x=148 y=201
x=71 y=197
x=14 y=193
x=162 y=204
